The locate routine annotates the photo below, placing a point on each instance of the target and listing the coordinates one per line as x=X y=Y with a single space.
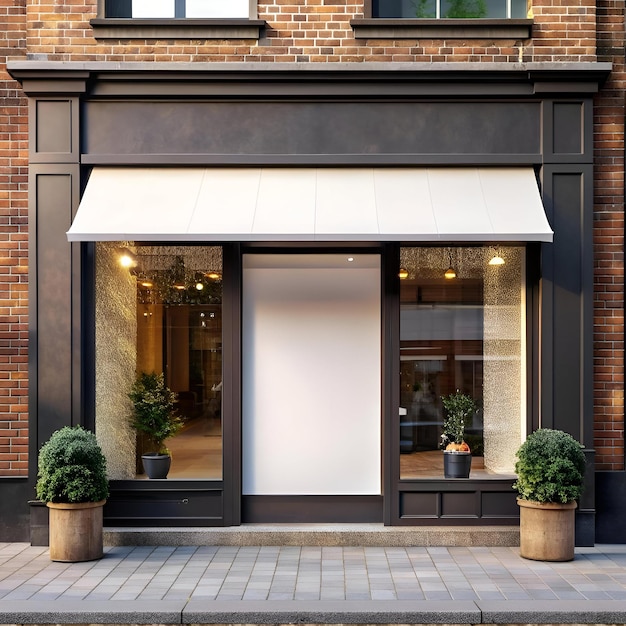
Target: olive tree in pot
x=155 y=417
x=72 y=481
x=550 y=473
x=457 y=457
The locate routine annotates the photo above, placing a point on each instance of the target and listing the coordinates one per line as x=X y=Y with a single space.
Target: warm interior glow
x=127 y=259
x=450 y=273
x=403 y=274
x=496 y=260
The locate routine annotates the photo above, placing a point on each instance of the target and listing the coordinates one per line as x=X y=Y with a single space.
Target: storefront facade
x=290 y=230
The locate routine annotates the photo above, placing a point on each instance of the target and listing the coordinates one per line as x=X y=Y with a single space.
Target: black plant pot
x=156 y=465
x=456 y=464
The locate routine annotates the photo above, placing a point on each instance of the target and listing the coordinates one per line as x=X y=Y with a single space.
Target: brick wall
x=13 y=249
x=313 y=31
x=609 y=243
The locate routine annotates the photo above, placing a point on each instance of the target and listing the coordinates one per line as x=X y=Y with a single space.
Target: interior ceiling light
x=213 y=275
x=127 y=258
x=450 y=273
x=403 y=273
x=199 y=286
x=147 y=283
x=496 y=260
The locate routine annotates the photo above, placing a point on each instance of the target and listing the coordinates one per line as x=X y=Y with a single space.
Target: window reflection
x=163 y=313
x=462 y=333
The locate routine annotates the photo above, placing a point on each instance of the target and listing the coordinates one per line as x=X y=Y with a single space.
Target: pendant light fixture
x=496 y=259
x=450 y=273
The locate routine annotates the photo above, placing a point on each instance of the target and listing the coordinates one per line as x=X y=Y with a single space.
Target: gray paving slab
x=553 y=612
x=330 y=612
x=296 y=584
x=90 y=612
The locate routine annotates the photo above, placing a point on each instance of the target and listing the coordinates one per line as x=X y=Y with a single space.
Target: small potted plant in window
x=155 y=417
x=550 y=473
x=457 y=457
x=72 y=481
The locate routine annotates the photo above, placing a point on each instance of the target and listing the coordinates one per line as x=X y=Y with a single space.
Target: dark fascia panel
x=442 y=28
x=248 y=81
x=131 y=28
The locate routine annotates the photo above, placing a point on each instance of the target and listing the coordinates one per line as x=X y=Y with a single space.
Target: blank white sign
x=311 y=375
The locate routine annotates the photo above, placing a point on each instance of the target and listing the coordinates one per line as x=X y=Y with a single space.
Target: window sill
x=129 y=28
x=379 y=28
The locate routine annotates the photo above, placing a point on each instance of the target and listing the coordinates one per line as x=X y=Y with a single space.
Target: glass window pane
x=519 y=9
x=153 y=8
x=217 y=8
x=495 y=8
x=459 y=9
x=403 y=8
x=162 y=314
x=464 y=333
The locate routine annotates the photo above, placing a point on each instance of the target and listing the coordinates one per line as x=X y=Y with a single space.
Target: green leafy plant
x=72 y=468
x=424 y=8
x=459 y=409
x=154 y=412
x=550 y=467
x=462 y=9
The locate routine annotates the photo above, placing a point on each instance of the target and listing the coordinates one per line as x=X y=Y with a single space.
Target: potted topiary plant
x=72 y=481
x=457 y=457
x=550 y=472
x=155 y=417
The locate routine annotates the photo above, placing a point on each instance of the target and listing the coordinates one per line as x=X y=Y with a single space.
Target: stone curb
x=198 y=611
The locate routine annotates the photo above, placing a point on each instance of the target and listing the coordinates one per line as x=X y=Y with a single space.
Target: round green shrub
x=550 y=467
x=72 y=468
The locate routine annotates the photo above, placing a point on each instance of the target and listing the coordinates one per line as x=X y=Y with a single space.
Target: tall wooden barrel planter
x=547 y=530
x=550 y=471
x=72 y=481
x=75 y=531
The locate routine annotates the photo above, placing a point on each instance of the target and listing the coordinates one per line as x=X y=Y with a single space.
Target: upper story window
x=170 y=9
x=451 y=9
x=177 y=19
x=444 y=19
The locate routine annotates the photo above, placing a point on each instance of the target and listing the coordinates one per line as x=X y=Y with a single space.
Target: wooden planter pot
x=547 y=530
x=75 y=531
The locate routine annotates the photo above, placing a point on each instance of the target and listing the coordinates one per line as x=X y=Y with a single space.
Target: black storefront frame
x=77 y=117
x=221 y=503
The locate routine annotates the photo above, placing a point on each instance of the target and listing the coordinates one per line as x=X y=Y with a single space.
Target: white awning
x=311 y=204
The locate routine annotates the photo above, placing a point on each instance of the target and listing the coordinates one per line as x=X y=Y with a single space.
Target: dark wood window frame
x=370 y=27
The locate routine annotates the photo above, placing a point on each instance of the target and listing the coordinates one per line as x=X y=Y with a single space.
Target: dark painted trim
x=390 y=379
x=610 y=507
x=231 y=397
x=249 y=80
x=312 y=509
x=164 y=502
x=278 y=160
x=467 y=497
x=176 y=28
x=403 y=28
x=533 y=334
